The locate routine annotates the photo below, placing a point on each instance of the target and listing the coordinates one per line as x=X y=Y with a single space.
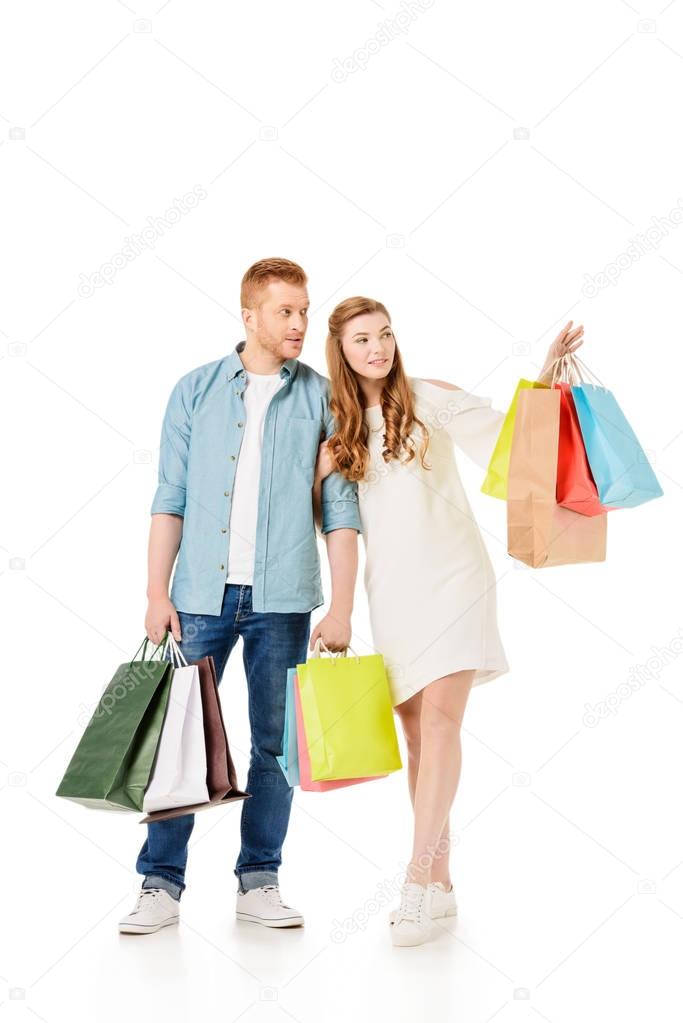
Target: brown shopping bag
x=541 y=533
x=221 y=777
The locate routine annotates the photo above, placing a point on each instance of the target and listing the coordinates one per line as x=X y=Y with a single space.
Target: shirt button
x=232 y=458
x=222 y=567
x=226 y=493
x=223 y=530
x=240 y=424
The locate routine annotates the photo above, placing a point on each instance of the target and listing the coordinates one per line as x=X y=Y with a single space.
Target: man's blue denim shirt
x=201 y=438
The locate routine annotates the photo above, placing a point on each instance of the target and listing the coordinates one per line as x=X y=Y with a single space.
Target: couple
x=257 y=450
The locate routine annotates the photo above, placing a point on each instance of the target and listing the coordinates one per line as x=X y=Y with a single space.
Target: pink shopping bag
x=305 y=781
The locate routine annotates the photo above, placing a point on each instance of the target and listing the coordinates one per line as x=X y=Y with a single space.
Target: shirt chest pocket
x=304 y=438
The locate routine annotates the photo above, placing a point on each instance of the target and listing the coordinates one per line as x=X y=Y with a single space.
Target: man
x=234 y=501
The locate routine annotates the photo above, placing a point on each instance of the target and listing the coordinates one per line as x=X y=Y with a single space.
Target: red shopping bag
x=305 y=780
x=576 y=488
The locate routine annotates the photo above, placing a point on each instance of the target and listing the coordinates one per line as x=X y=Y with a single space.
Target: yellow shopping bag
x=348 y=716
x=496 y=482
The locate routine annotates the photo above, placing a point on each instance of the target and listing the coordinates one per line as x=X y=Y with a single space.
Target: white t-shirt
x=259 y=389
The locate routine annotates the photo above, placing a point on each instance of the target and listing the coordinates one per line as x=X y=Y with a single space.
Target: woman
x=429 y=580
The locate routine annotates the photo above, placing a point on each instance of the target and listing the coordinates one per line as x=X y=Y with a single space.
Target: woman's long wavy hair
x=348 y=446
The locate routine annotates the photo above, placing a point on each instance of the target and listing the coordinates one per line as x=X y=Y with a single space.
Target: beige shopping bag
x=541 y=533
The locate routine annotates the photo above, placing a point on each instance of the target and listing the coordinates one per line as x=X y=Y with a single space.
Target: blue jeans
x=273 y=642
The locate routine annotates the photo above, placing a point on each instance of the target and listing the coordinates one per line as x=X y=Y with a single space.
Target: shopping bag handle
x=563 y=368
x=582 y=371
x=334 y=654
x=143 y=647
x=176 y=652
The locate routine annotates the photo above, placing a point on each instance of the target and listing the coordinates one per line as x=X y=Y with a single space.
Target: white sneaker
x=265 y=906
x=440 y=903
x=154 y=909
x=412 y=924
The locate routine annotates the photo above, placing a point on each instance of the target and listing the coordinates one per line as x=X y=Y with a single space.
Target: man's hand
x=334 y=631
x=161 y=615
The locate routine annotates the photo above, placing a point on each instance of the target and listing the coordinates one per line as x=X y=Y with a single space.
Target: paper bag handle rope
x=333 y=654
x=176 y=652
x=143 y=647
x=583 y=372
x=566 y=369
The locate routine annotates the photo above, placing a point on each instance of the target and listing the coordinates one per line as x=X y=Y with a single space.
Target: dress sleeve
x=468 y=418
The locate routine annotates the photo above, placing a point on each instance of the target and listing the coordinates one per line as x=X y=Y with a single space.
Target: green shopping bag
x=111 y=767
x=348 y=716
x=496 y=481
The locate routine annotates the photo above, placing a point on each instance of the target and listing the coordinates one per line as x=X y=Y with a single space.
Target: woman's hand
x=335 y=632
x=323 y=468
x=568 y=340
x=323 y=465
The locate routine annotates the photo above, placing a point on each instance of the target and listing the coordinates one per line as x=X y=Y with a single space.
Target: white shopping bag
x=179 y=773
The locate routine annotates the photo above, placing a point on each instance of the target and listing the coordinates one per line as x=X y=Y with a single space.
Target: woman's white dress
x=430 y=583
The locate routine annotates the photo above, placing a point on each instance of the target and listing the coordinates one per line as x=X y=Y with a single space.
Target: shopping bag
x=289 y=758
x=111 y=766
x=180 y=767
x=305 y=781
x=348 y=716
x=542 y=533
x=496 y=481
x=622 y=472
x=576 y=487
x=221 y=777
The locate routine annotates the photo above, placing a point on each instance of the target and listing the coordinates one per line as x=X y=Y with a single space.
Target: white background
x=469 y=172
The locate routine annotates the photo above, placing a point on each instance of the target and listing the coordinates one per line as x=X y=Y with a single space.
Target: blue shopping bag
x=620 y=468
x=289 y=758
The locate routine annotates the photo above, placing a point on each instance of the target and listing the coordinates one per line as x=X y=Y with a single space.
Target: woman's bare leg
x=442 y=706
x=409 y=712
